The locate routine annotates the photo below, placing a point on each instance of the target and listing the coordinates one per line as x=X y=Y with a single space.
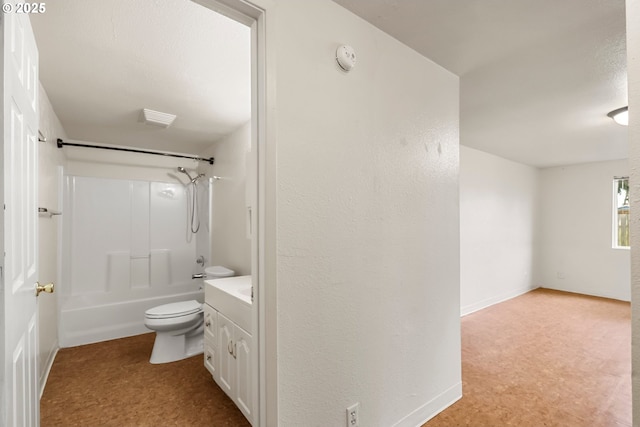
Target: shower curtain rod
x=61 y=144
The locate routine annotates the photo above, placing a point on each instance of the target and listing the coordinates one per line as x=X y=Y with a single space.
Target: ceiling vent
x=157 y=118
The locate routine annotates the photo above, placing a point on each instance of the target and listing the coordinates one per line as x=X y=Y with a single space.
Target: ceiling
x=101 y=62
x=537 y=77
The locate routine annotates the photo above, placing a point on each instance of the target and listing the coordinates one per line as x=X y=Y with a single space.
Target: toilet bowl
x=179 y=326
x=179 y=330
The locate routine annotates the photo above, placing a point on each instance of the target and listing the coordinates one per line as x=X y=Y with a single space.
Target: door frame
x=259 y=16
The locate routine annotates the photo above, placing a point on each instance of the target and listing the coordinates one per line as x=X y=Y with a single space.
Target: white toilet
x=179 y=325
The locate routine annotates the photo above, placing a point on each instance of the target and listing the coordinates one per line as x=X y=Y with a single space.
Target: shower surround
x=127 y=247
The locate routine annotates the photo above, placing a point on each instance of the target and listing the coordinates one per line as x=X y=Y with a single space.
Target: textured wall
x=368 y=224
x=498 y=225
x=575 y=252
x=633 y=72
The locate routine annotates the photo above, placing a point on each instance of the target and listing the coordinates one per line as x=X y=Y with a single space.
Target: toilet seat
x=175 y=309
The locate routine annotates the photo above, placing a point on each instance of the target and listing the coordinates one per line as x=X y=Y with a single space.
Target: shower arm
x=186 y=172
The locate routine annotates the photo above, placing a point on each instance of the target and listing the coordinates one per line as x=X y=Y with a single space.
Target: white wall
x=230 y=245
x=50 y=159
x=498 y=225
x=113 y=164
x=633 y=75
x=575 y=250
x=368 y=266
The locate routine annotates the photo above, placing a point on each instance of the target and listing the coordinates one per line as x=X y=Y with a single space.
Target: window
x=621 y=212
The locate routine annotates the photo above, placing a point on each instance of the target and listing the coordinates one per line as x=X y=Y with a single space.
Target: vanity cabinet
x=227 y=356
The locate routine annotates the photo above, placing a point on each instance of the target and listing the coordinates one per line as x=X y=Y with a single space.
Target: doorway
x=254 y=18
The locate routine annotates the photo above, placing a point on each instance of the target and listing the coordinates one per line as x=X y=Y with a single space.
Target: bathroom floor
x=112 y=383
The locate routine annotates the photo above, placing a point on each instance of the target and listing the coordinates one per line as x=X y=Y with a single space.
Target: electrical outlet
x=353 y=418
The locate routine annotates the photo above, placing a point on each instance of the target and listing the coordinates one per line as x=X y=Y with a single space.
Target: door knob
x=48 y=288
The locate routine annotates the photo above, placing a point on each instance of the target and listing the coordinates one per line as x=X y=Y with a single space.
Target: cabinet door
x=211 y=361
x=210 y=325
x=244 y=377
x=226 y=368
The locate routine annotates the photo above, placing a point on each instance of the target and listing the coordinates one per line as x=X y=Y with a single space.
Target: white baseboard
x=432 y=408
x=45 y=375
x=488 y=302
x=587 y=292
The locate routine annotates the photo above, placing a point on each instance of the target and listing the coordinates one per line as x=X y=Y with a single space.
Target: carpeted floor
x=546 y=358
x=113 y=384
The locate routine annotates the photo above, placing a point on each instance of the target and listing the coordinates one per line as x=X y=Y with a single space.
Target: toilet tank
x=218 y=272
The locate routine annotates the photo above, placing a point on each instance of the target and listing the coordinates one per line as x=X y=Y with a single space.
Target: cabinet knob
x=207 y=324
x=208 y=357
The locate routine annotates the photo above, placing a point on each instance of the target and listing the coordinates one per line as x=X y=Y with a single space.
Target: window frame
x=615 y=232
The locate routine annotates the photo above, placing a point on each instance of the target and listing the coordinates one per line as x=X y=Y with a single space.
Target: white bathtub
x=86 y=325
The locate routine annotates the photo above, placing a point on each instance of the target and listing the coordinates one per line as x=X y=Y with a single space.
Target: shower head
x=192 y=179
x=184 y=171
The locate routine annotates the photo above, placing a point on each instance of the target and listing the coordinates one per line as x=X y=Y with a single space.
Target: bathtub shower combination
x=130 y=245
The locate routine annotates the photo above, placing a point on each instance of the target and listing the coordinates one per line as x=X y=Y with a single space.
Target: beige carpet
x=113 y=384
x=546 y=358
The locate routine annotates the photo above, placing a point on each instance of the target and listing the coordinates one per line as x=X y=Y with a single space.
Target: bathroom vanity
x=227 y=338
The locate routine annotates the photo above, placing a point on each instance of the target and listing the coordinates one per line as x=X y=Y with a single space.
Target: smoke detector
x=157 y=118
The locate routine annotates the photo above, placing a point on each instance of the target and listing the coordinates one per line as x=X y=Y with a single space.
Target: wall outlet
x=353 y=417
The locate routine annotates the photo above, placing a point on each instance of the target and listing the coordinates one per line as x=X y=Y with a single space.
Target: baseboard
x=587 y=292
x=432 y=408
x=45 y=375
x=471 y=308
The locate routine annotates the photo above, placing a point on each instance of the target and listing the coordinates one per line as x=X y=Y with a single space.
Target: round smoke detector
x=346 y=57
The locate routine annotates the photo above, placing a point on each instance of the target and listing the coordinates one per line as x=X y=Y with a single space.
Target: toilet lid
x=175 y=309
x=219 y=271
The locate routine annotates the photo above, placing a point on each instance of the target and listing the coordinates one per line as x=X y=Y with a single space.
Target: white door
x=20 y=125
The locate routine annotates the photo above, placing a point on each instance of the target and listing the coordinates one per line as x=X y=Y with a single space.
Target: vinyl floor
x=546 y=358
x=112 y=383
